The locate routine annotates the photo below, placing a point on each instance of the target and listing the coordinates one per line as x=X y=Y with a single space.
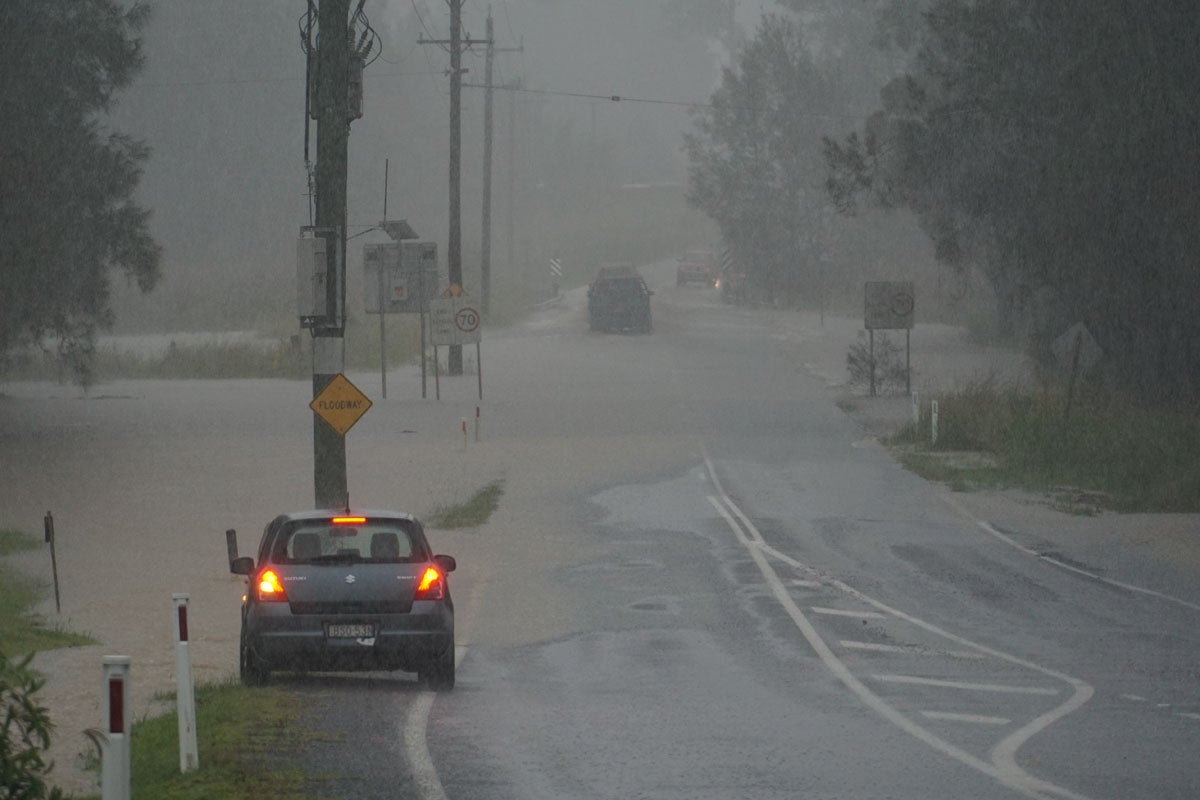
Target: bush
x=24 y=734
x=890 y=370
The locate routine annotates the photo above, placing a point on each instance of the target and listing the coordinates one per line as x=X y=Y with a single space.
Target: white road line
x=424 y=774
x=911 y=650
x=966 y=685
x=990 y=529
x=1187 y=714
x=975 y=719
x=876 y=647
x=416 y=742
x=805 y=584
x=1137 y=698
x=1003 y=767
x=838 y=612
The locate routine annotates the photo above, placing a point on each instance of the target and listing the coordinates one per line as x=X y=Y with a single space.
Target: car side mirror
x=242 y=566
x=447 y=563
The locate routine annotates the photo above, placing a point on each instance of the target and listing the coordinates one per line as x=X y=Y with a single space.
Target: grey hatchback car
x=333 y=591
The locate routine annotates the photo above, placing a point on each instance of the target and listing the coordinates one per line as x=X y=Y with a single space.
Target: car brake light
x=432 y=587
x=270 y=588
x=349 y=520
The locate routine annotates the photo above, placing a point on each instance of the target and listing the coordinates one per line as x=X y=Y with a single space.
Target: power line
x=421 y=19
x=616 y=98
x=248 y=81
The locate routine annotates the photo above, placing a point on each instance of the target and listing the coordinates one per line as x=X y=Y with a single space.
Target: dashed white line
x=1136 y=698
x=975 y=719
x=966 y=685
x=908 y=650
x=1003 y=766
x=1187 y=714
x=839 y=612
x=803 y=584
x=875 y=647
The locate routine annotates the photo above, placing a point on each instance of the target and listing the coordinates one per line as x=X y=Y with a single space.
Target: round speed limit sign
x=466 y=319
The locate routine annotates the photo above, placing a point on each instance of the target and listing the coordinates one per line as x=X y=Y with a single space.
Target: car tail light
x=269 y=587
x=432 y=586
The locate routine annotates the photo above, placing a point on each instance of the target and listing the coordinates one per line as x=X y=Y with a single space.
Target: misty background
x=584 y=179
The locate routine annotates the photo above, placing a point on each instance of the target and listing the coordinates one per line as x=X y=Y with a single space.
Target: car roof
x=326 y=513
x=618 y=273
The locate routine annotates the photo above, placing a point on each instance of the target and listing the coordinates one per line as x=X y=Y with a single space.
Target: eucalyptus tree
x=1053 y=145
x=68 y=220
x=755 y=158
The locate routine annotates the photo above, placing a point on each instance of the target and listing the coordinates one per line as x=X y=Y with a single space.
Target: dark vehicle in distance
x=619 y=300
x=732 y=285
x=334 y=591
x=697 y=266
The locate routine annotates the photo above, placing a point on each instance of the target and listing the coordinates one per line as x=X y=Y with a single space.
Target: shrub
x=890 y=370
x=24 y=734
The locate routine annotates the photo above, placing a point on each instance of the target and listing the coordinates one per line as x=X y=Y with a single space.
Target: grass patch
x=1119 y=455
x=20 y=631
x=471 y=514
x=248 y=741
x=15 y=542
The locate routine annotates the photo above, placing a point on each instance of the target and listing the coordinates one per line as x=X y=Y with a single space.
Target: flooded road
x=702 y=580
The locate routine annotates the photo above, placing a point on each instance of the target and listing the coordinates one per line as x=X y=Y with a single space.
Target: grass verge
x=21 y=631
x=471 y=514
x=241 y=733
x=1118 y=455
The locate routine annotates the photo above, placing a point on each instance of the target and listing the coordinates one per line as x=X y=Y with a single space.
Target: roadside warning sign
x=454 y=321
x=340 y=404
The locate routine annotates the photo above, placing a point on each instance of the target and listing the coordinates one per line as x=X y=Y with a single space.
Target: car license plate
x=349 y=630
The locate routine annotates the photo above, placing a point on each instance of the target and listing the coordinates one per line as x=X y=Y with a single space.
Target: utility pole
x=333 y=97
x=486 y=263
x=333 y=136
x=454 y=363
x=512 y=175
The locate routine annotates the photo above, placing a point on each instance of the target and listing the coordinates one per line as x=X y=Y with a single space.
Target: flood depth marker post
x=185 y=694
x=49 y=523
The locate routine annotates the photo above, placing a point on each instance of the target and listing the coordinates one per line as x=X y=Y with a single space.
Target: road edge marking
x=991 y=530
x=1003 y=767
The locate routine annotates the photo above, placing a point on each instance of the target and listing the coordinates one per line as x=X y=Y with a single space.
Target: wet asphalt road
x=702 y=582
x=745 y=599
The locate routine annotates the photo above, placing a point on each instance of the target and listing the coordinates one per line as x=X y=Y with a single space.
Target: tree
x=1053 y=145
x=67 y=218
x=755 y=161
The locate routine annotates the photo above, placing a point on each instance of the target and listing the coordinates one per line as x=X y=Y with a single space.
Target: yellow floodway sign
x=340 y=404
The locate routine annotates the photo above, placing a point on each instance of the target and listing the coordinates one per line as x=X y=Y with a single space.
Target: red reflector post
x=183 y=631
x=116 y=705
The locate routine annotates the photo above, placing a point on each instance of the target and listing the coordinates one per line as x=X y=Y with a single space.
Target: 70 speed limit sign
x=454 y=321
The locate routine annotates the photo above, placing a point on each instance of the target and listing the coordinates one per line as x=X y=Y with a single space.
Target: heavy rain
x=557 y=399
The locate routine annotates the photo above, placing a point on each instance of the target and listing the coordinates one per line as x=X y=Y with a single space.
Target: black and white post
x=185 y=693
x=114 y=763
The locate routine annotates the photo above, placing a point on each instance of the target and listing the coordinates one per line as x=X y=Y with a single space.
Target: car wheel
x=251 y=669
x=438 y=674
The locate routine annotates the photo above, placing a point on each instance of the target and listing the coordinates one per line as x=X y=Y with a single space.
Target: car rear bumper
x=286 y=641
x=694 y=274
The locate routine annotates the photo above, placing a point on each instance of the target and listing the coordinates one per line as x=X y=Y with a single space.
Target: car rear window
x=320 y=541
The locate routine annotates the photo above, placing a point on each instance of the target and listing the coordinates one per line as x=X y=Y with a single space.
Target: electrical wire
x=425 y=27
